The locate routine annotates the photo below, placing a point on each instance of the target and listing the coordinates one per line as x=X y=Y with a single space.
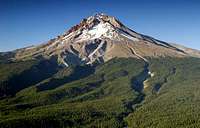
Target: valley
x=114 y=97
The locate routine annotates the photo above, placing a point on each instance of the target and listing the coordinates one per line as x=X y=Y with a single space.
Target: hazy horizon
x=25 y=23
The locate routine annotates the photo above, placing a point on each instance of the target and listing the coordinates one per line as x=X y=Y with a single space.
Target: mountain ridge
x=100 y=38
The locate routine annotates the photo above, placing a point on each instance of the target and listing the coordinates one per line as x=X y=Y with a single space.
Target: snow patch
x=101 y=29
x=31 y=47
x=65 y=63
x=91 y=54
x=128 y=36
x=151 y=74
x=145 y=83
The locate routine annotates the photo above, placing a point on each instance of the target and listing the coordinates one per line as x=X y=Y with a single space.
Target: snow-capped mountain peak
x=100 y=25
x=100 y=38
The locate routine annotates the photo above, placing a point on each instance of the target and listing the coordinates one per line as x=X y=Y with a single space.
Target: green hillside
x=174 y=102
x=40 y=93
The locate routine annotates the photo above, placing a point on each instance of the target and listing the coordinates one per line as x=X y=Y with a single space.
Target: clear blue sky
x=30 y=22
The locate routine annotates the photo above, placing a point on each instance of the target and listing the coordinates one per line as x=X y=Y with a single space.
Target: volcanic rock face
x=100 y=38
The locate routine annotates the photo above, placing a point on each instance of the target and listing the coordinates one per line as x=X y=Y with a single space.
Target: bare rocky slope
x=189 y=51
